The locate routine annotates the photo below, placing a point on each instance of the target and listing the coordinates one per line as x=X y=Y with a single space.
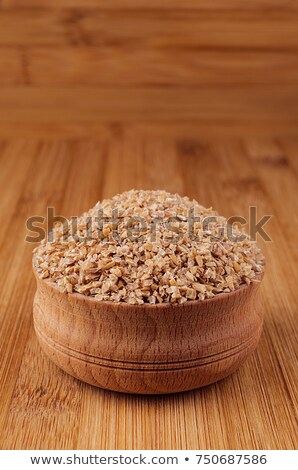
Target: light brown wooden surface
x=42 y=407
x=197 y=97
x=264 y=5
x=220 y=64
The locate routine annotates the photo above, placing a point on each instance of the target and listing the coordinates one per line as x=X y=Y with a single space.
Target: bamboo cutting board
x=41 y=406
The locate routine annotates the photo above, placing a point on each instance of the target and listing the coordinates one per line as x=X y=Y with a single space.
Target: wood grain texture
x=43 y=104
x=267 y=5
x=140 y=67
x=149 y=349
x=169 y=29
x=45 y=408
x=197 y=97
x=233 y=67
x=54 y=129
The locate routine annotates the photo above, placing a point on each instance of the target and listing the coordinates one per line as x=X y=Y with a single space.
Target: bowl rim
x=109 y=303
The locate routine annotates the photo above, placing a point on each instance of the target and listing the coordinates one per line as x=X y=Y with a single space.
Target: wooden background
x=195 y=97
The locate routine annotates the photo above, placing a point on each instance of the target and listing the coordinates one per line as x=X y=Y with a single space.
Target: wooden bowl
x=150 y=349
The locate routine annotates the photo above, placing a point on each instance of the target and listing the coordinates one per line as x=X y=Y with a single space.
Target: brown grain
x=150 y=246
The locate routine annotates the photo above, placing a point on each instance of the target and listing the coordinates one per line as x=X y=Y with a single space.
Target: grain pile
x=157 y=251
